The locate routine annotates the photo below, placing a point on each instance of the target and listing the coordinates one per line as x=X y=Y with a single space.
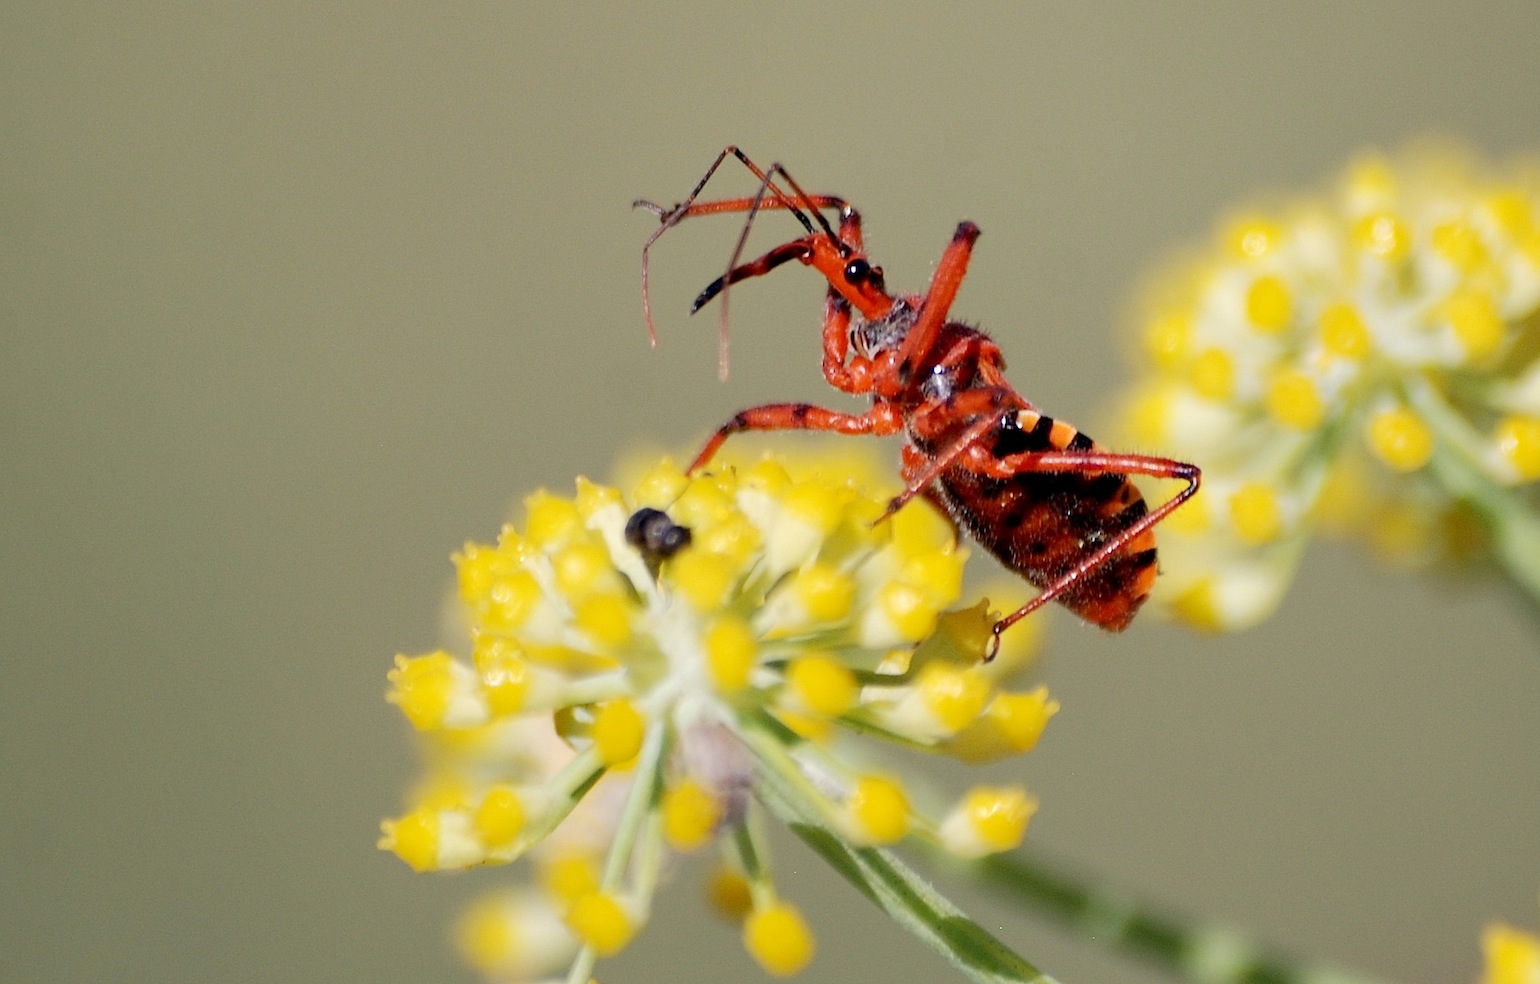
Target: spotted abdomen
x=1041 y=523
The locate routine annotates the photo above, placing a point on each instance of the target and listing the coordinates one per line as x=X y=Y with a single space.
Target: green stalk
x=889 y=883
x=1511 y=523
x=1192 y=951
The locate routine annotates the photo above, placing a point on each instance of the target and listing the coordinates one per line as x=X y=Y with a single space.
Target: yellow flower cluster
x=1326 y=356
x=639 y=662
x=1512 y=956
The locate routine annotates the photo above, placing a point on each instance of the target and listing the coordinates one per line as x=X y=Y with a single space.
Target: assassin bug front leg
x=1042 y=497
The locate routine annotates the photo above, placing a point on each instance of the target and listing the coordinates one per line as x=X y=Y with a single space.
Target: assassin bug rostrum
x=1042 y=497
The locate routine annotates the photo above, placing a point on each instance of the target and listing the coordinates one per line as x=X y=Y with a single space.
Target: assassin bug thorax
x=1042 y=497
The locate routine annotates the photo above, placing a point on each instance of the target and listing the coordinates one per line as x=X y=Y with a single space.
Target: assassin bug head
x=836 y=255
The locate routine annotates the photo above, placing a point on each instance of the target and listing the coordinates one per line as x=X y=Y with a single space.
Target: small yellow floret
x=601 y=921
x=816 y=504
x=1399 y=438
x=690 y=815
x=1512 y=955
x=918 y=529
x=505 y=677
x=580 y=567
x=618 y=731
x=729 y=894
x=768 y=476
x=1149 y=414
x=1518 y=442
x=1010 y=725
x=1253 y=236
x=1369 y=181
x=1460 y=244
x=733 y=538
x=826 y=594
x=879 y=810
x=592 y=498
x=940 y=573
x=1212 y=375
x=413 y=838
x=1294 y=401
x=570 y=876
x=705 y=503
x=999 y=815
x=822 y=684
x=703 y=578
x=1511 y=209
x=1473 y=318
x=908 y=609
x=954 y=696
x=731 y=654
x=1193 y=518
x=1343 y=332
x=486 y=935
x=508 y=601
x=778 y=939
x=422 y=688
x=500 y=818
x=606 y=619
x=1256 y=513
x=551 y=519
x=1166 y=339
x=1383 y=235
x=1269 y=304
x=1198 y=606
x=660 y=485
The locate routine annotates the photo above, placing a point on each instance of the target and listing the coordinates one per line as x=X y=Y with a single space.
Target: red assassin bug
x=1042 y=497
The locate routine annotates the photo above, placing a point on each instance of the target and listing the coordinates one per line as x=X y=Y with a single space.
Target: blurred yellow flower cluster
x=640 y=663
x=1366 y=359
x=1512 y=956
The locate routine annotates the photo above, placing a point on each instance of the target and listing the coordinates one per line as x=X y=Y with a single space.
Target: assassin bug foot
x=1047 y=501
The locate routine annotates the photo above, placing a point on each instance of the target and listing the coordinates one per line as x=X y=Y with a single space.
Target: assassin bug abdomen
x=1042 y=497
x=1039 y=523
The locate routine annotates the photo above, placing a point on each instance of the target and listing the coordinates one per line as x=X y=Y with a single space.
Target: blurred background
x=295 y=298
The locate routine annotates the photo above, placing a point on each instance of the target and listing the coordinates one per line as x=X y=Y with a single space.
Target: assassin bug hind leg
x=1102 y=463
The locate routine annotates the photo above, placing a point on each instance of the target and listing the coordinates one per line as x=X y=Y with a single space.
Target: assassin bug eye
x=857 y=271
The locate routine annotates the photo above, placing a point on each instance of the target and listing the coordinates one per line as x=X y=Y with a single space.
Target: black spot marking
x=1133 y=512
x=1011 y=439
x=1105 y=487
x=1141 y=560
x=1081 y=442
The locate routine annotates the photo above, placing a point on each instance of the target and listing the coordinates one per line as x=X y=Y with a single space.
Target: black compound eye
x=858 y=271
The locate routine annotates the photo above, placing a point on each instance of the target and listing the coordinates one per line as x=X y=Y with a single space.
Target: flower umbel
x=1512 y=956
x=642 y=666
x=1367 y=360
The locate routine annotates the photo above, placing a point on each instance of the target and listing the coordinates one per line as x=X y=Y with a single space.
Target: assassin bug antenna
x=768 y=195
x=1042 y=497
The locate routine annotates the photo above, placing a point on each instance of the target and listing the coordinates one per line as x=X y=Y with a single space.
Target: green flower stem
x=571 y=784
x=895 y=888
x=1207 y=954
x=645 y=786
x=1512 y=525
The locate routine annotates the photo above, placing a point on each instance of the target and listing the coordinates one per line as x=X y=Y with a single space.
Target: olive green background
x=294 y=298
